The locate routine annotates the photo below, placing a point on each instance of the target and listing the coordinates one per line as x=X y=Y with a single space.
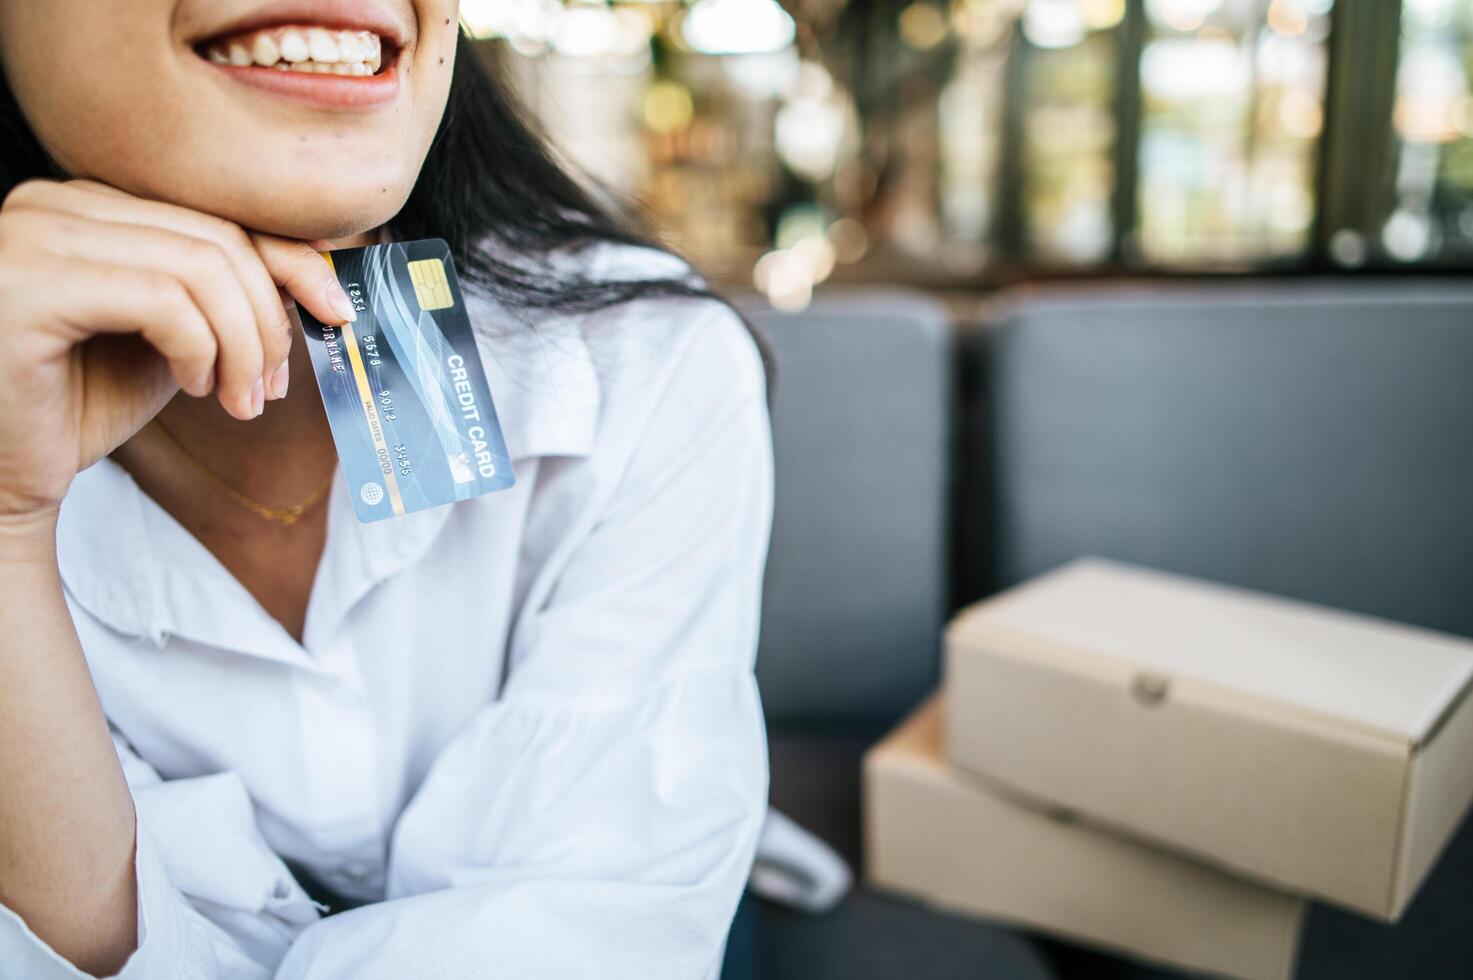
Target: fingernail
x=340 y=303
x=258 y=397
x=280 y=378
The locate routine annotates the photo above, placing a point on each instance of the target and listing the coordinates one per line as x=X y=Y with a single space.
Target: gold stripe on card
x=370 y=411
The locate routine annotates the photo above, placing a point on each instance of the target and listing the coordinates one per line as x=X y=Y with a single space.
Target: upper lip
x=344 y=15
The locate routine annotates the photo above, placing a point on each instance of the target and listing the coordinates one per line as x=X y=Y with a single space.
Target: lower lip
x=327 y=91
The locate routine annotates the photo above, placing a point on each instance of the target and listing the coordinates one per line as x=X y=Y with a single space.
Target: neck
x=287 y=427
x=278 y=458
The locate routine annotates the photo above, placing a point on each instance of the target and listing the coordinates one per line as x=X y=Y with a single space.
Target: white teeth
x=322 y=45
x=306 y=49
x=265 y=51
x=293 y=45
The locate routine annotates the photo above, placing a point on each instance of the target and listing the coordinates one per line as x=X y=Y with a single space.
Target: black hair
x=491 y=187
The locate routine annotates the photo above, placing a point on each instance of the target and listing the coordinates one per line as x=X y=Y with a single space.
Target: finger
x=97 y=201
x=274 y=327
x=289 y=263
x=100 y=298
x=297 y=266
x=205 y=271
x=307 y=276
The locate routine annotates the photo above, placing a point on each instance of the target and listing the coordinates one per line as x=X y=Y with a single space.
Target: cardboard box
x=1320 y=751
x=941 y=835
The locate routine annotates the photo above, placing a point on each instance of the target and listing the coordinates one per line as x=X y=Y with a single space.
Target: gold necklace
x=281 y=515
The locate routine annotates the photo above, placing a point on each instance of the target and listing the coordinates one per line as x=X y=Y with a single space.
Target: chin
x=298 y=204
x=322 y=218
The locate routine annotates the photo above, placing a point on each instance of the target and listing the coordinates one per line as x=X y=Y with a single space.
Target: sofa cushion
x=1309 y=439
x=857 y=577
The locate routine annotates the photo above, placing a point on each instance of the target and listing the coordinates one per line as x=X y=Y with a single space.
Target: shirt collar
x=129 y=564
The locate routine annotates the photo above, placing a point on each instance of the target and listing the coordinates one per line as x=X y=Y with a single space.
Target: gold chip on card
x=431 y=287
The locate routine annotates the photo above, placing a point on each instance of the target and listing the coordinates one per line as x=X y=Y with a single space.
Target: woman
x=518 y=736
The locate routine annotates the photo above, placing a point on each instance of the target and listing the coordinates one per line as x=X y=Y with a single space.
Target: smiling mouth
x=304 y=50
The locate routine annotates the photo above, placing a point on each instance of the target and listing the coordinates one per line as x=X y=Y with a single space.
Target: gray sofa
x=1310 y=438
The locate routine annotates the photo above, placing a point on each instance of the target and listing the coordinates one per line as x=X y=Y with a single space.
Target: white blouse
x=524 y=728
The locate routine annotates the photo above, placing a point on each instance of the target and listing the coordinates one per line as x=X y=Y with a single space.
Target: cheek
x=92 y=115
x=434 y=62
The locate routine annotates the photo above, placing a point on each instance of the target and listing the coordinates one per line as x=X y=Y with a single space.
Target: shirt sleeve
x=599 y=820
x=214 y=902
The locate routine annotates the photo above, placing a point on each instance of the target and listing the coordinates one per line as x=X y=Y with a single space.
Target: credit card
x=406 y=396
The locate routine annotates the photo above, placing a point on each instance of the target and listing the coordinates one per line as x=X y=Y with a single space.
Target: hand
x=109 y=304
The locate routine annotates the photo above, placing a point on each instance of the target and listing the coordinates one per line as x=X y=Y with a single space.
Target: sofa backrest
x=1309 y=438
x=856 y=585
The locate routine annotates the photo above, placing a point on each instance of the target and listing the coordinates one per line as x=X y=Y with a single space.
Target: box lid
x=1375 y=676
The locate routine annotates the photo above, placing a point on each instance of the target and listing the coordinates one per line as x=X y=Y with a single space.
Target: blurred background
x=969 y=143
x=1180 y=283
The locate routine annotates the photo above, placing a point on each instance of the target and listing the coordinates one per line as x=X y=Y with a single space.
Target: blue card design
x=403 y=386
